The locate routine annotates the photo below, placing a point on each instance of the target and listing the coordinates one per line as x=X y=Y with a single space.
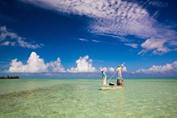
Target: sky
x=79 y=38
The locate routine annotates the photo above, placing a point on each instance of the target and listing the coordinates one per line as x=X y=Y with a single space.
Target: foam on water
x=83 y=98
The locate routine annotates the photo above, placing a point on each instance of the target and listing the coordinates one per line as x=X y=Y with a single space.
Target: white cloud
x=12 y=39
x=8 y=43
x=124 y=69
x=107 y=69
x=84 y=40
x=125 y=18
x=157 y=45
x=90 y=8
x=118 y=18
x=111 y=69
x=133 y=45
x=35 y=64
x=56 y=66
x=160 y=69
x=109 y=16
x=83 y=64
x=96 y=41
x=158 y=3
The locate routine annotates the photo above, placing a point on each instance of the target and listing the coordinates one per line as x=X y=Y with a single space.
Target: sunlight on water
x=155 y=98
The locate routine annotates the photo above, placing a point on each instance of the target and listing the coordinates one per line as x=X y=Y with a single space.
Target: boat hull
x=110 y=87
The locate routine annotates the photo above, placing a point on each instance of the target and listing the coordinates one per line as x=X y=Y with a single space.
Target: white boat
x=119 y=83
x=107 y=87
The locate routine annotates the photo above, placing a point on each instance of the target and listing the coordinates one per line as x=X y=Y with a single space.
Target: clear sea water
x=82 y=98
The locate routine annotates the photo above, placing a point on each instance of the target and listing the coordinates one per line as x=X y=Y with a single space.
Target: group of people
x=120 y=80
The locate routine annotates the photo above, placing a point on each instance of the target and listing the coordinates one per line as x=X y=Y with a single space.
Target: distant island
x=10 y=77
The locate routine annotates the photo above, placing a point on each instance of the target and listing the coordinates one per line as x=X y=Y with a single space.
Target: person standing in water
x=104 y=76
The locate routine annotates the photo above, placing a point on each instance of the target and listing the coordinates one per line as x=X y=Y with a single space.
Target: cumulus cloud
x=83 y=64
x=124 y=69
x=12 y=39
x=35 y=64
x=118 y=18
x=55 y=66
x=107 y=69
x=160 y=69
x=111 y=69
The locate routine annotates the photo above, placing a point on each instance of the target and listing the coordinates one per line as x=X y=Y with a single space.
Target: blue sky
x=63 y=38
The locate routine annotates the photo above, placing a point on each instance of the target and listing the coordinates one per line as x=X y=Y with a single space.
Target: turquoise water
x=67 y=98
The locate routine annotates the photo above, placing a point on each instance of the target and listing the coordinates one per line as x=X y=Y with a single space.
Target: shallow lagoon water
x=82 y=98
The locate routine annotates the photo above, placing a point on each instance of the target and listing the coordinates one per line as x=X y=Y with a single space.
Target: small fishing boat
x=119 y=83
x=107 y=87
